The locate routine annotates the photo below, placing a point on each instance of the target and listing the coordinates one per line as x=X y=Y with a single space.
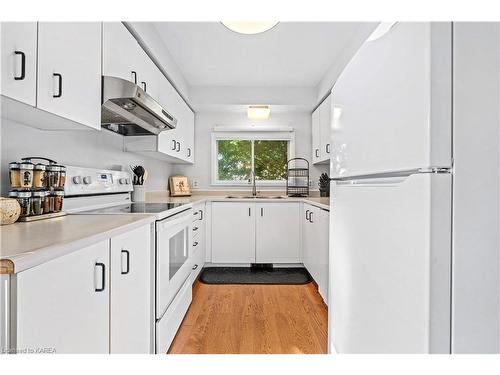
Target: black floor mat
x=247 y=275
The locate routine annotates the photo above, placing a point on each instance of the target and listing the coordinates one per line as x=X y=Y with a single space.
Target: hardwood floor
x=253 y=319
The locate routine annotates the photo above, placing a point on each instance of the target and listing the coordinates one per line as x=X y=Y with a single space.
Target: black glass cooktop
x=137 y=208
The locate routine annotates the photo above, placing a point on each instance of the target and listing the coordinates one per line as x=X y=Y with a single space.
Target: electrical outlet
x=195 y=184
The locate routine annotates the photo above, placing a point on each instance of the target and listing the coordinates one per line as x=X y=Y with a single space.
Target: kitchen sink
x=256 y=197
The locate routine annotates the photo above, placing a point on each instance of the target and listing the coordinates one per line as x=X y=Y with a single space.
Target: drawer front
x=167 y=327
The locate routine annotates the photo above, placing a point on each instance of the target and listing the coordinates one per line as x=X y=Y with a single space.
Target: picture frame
x=179 y=186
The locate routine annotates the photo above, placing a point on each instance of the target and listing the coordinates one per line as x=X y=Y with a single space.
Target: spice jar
x=23 y=197
x=26 y=174
x=39 y=179
x=37 y=202
x=14 y=175
x=53 y=175
x=46 y=202
x=62 y=177
x=57 y=197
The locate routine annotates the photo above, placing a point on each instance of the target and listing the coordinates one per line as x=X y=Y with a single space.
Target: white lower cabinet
x=131 y=285
x=244 y=232
x=233 y=232
x=277 y=233
x=63 y=305
x=315 y=234
x=93 y=300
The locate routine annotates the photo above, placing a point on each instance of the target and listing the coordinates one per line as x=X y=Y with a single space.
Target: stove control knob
x=77 y=180
x=127 y=181
x=122 y=181
x=87 y=180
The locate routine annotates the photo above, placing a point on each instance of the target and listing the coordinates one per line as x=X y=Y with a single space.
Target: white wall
x=93 y=149
x=205 y=121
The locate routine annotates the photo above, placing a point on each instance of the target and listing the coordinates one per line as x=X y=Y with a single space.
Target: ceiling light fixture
x=250 y=28
x=382 y=29
x=258 y=112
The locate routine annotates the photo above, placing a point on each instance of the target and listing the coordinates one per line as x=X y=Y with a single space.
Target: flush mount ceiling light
x=382 y=29
x=258 y=112
x=250 y=28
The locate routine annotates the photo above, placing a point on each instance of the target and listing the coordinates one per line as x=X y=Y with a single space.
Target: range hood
x=128 y=110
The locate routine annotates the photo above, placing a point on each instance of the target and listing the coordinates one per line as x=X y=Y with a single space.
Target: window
x=236 y=155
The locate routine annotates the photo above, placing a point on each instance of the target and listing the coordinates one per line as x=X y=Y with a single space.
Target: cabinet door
x=233 y=232
x=316 y=146
x=170 y=142
x=131 y=310
x=277 y=233
x=18 y=61
x=325 y=128
x=64 y=304
x=121 y=53
x=320 y=224
x=149 y=75
x=69 y=71
x=189 y=135
x=307 y=238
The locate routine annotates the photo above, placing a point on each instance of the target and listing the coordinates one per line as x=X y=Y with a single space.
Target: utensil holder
x=139 y=193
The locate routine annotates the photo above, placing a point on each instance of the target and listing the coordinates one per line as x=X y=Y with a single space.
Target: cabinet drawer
x=167 y=327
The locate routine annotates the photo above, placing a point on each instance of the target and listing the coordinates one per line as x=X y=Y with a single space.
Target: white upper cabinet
x=131 y=297
x=69 y=71
x=18 y=61
x=277 y=233
x=321 y=128
x=396 y=100
x=121 y=54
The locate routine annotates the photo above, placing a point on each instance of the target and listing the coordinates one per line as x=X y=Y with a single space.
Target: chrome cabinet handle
x=144 y=86
x=328 y=148
x=60 y=84
x=262 y=211
x=178 y=146
x=317 y=152
x=201 y=214
x=307 y=216
x=127 y=253
x=134 y=76
x=195 y=228
x=103 y=278
x=23 y=65
x=195 y=243
x=173 y=145
x=195 y=267
x=189 y=152
x=311 y=217
x=249 y=211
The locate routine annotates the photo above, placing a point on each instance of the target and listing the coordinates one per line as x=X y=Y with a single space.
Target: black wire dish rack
x=297 y=179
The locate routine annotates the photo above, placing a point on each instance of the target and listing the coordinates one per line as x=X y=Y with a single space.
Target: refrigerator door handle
x=392 y=174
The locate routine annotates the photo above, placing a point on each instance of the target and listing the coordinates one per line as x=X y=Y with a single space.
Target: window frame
x=288 y=136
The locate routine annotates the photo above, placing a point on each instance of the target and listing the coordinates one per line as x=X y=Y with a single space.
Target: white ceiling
x=292 y=54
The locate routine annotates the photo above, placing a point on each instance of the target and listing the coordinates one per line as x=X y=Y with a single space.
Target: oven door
x=173 y=244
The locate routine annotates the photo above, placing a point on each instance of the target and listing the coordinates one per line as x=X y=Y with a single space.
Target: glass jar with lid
x=26 y=174
x=24 y=198
x=57 y=197
x=37 y=202
x=14 y=175
x=39 y=178
x=53 y=176
x=62 y=176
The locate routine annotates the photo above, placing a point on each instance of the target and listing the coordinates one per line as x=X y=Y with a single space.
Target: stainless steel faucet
x=254 y=188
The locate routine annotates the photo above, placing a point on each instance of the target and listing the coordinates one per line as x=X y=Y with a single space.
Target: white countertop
x=219 y=196
x=25 y=245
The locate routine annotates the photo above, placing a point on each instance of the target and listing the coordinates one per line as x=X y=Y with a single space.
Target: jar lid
x=26 y=165
x=40 y=167
x=54 y=168
x=39 y=193
x=24 y=194
x=14 y=165
x=13 y=194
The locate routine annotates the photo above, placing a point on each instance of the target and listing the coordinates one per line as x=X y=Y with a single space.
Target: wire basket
x=297 y=180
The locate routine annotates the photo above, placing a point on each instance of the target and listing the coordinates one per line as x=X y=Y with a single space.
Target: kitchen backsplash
x=74 y=147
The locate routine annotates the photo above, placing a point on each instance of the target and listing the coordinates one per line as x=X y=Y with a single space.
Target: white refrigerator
x=391 y=226
x=415 y=193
